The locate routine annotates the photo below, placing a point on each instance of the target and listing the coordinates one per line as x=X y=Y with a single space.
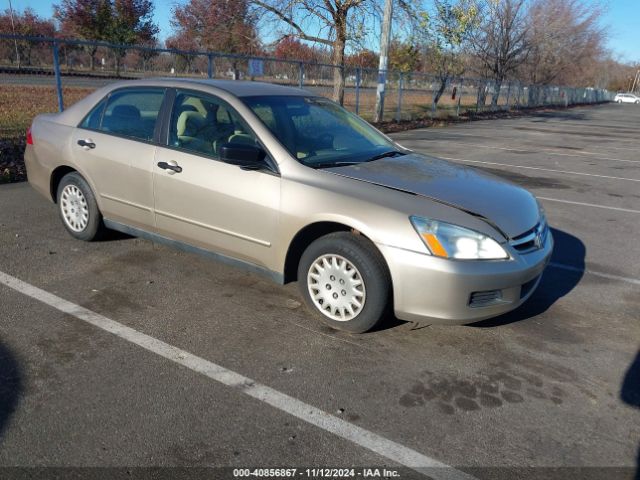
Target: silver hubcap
x=75 y=210
x=336 y=287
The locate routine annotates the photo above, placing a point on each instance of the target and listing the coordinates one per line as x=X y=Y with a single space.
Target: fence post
x=358 y=76
x=210 y=65
x=400 y=85
x=300 y=74
x=56 y=69
x=459 y=98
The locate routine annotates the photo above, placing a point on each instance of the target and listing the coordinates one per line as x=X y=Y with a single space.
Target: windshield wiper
x=331 y=164
x=390 y=153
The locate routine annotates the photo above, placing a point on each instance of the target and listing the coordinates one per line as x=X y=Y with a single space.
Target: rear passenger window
x=132 y=113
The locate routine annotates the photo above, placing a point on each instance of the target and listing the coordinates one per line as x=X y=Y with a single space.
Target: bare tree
x=339 y=21
x=501 y=43
x=618 y=76
x=567 y=41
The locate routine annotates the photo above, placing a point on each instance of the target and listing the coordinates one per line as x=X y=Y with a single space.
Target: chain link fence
x=55 y=73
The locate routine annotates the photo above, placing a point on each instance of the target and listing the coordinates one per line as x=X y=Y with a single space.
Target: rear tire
x=345 y=282
x=78 y=208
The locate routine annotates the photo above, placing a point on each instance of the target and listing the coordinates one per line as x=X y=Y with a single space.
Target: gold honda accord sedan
x=286 y=183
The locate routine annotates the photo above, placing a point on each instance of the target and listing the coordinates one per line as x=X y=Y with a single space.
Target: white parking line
x=549 y=151
x=382 y=446
x=570 y=202
x=568 y=172
x=597 y=274
x=629 y=149
x=437 y=131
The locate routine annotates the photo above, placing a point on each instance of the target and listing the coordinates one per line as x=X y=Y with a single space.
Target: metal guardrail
x=91 y=64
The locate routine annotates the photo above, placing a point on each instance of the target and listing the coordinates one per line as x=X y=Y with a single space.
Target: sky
x=622 y=16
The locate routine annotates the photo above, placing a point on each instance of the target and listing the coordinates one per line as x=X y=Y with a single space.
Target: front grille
x=486 y=298
x=532 y=239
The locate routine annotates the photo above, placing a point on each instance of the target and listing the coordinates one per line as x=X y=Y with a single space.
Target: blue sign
x=256 y=68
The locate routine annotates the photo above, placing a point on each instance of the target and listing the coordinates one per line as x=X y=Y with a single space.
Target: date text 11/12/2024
x=315 y=473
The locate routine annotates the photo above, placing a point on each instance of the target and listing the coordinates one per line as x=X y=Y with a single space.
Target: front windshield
x=318 y=132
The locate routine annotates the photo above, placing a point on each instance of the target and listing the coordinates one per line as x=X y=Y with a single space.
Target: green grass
x=20 y=103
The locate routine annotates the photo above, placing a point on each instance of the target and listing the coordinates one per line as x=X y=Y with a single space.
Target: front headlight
x=451 y=241
x=542 y=214
x=543 y=225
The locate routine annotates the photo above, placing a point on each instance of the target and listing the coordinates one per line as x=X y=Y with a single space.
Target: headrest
x=243 y=138
x=186 y=108
x=126 y=111
x=190 y=123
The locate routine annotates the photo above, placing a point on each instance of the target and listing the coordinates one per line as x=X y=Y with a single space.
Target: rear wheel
x=78 y=208
x=345 y=282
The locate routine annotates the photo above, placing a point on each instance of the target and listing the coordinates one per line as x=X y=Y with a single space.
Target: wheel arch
x=56 y=177
x=309 y=234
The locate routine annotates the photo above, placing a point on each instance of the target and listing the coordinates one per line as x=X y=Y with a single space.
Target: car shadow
x=11 y=386
x=555 y=282
x=113 y=236
x=630 y=394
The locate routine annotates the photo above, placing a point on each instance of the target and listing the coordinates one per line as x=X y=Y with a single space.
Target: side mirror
x=247 y=157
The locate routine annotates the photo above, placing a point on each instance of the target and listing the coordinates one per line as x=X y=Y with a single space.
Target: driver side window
x=202 y=124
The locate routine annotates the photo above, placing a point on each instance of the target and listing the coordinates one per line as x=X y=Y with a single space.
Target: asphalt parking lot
x=554 y=384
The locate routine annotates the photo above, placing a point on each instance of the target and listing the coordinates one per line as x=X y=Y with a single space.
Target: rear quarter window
x=132 y=113
x=93 y=118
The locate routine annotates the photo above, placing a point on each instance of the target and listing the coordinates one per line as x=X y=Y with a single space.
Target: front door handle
x=172 y=167
x=87 y=144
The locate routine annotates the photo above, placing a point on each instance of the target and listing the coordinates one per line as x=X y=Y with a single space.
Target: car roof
x=74 y=114
x=239 y=88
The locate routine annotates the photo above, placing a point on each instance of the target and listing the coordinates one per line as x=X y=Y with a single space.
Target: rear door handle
x=86 y=144
x=173 y=167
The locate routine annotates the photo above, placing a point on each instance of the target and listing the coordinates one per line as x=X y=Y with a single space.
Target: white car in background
x=626 y=98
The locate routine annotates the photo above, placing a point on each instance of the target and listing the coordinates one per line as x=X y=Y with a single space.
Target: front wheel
x=345 y=281
x=78 y=208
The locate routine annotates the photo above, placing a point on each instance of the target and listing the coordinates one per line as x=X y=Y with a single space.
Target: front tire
x=78 y=208
x=345 y=282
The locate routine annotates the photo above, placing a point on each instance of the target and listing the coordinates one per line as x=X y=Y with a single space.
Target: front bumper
x=438 y=290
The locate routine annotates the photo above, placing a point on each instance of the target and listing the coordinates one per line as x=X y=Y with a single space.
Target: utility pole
x=635 y=80
x=384 y=59
x=13 y=30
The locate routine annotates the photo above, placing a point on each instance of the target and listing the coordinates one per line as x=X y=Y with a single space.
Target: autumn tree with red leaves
x=124 y=22
x=363 y=59
x=215 y=25
x=25 y=23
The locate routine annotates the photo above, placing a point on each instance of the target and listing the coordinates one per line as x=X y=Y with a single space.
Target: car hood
x=510 y=208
